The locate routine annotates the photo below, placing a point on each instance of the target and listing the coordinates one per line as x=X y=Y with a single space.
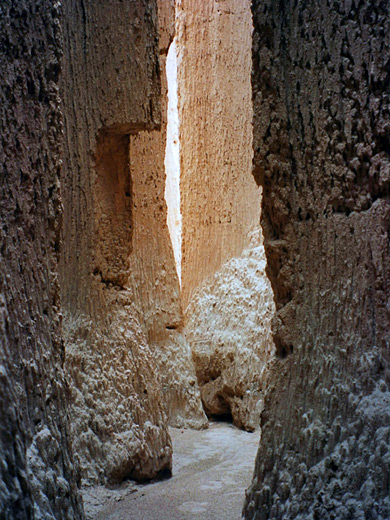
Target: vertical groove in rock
x=113 y=212
x=321 y=126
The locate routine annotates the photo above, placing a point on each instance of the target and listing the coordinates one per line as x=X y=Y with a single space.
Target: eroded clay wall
x=37 y=478
x=219 y=199
x=111 y=89
x=321 y=102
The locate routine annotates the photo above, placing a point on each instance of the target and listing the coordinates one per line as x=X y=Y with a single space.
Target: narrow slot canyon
x=196 y=271
x=194 y=260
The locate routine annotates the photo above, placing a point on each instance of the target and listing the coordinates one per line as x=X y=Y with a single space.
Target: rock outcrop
x=37 y=478
x=219 y=199
x=220 y=205
x=228 y=325
x=321 y=141
x=81 y=125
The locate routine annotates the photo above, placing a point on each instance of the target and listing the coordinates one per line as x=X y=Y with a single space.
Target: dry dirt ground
x=211 y=470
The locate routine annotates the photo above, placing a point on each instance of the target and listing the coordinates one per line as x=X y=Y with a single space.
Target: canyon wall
x=37 y=477
x=225 y=291
x=129 y=365
x=220 y=200
x=81 y=125
x=321 y=141
x=152 y=271
x=111 y=91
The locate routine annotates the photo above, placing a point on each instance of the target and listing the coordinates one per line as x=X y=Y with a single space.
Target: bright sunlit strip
x=172 y=159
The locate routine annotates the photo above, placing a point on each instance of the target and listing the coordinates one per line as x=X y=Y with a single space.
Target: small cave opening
x=226 y=417
x=221 y=411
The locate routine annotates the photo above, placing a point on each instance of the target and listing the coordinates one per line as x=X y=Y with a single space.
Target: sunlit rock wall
x=228 y=325
x=322 y=126
x=153 y=276
x=111 y=89
x=37 y=478
x=220 y=200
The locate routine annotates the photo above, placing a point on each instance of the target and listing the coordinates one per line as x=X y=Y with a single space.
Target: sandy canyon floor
x=211 y=470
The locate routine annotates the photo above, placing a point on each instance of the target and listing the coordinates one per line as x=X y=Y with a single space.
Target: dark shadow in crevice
x=223 y=418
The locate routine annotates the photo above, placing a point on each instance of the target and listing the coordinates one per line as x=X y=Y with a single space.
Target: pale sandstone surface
x=116 y=429
x=220 y=200
x=155 y=287
x=154 y=283
x=228 y=325
x=36 y=472
x=111 y=89
x=321 y=140
x=211 y=470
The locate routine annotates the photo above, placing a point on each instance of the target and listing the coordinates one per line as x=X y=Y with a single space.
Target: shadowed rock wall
x=321 y=141
x=37 y=479
x=220 y=202
x=111 y=89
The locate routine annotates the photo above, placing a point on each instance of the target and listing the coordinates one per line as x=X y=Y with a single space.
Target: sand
x=211 y=470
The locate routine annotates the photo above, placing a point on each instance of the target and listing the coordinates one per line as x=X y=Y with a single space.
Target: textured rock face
x=111 y=88
x=119 y=286
x=214 y=42
x=228 y=325
x=154 y=283
x=321 y=101
x=36 y=472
